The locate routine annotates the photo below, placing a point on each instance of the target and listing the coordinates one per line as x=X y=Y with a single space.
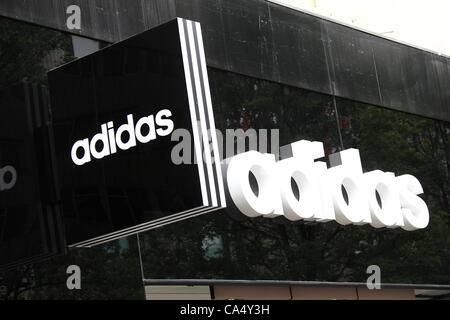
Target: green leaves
x=23 y=48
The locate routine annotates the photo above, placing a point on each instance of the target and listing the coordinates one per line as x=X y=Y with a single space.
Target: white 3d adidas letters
x=321 y=189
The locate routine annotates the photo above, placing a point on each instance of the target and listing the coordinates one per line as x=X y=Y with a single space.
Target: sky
x=422 y=23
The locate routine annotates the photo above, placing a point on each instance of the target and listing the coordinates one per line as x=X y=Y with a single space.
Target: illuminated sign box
x=113 y=115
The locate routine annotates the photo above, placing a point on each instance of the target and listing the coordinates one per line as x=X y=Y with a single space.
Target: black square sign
x=114 y=113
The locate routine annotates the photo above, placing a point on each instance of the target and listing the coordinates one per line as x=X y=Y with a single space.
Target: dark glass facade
x=30 y=220
x=219 y=246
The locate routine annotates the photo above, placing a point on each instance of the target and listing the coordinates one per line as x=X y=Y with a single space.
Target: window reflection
x=247 y=103
x=279 y=249
x=109 y=271
x=405 y=143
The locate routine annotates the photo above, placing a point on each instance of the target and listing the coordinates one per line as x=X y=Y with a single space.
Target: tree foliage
x=23 y=48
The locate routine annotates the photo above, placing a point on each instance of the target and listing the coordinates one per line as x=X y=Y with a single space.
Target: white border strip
x=150 y=227
x=201 y=109
x=142 y=225
x=212 y=126
x=197 y=144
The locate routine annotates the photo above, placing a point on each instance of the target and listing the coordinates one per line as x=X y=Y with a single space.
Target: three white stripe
x=205 y=111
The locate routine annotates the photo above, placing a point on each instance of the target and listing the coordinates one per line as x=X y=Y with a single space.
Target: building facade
x=276 y=76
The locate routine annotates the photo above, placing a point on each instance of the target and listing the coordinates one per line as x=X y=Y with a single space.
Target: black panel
x=265 y=40
x=442 y=69
x=242 y=29
x=248 y=37
x=296 y=41
x=351 y=62
x=212 y=27
x=140 y=77
x=407 y=80
x=107 y=20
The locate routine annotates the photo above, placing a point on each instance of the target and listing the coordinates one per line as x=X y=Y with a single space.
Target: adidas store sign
x=377 y=198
